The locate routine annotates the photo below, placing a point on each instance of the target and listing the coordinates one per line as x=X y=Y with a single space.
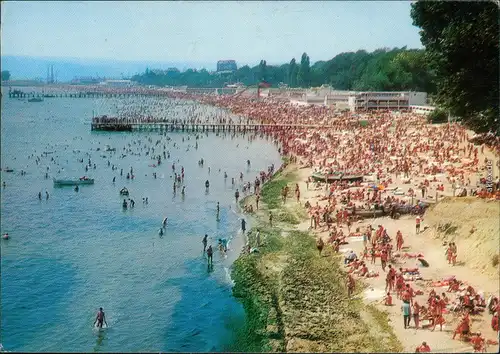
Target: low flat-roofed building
x=117 y=83
x=397 y=100
x=362 y=101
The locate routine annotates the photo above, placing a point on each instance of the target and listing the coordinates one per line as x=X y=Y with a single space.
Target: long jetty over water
x=72 y=91
x=131 y=125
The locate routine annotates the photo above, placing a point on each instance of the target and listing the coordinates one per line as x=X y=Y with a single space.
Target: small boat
x=109 y=148
x=336 y=176
x=124 y=191
x=9 y=170
x=35 y=99
x=73 y=182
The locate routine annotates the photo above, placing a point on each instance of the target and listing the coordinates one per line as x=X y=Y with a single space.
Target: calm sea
x=74 y=252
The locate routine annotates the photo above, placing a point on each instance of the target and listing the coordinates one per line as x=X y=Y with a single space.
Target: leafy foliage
x=304 y=73
x=462 y=47
x=5 y=75
x=383 y=69
x=437 y=116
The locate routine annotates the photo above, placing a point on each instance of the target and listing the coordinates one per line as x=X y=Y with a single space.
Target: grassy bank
x=295 y=299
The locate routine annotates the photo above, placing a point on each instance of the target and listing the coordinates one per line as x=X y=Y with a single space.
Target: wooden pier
x=86 y=94
x=198 y=127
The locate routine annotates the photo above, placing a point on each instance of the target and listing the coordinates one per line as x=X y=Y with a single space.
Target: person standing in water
x=210 y=253
x=218 y=210
x=243 y=225
x=100 y=318
x=204 y=241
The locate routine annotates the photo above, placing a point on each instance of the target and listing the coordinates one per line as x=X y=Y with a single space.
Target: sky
x=203 y=31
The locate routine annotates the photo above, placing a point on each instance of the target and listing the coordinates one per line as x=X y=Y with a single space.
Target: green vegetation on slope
x=383 y=69
x=296 y=300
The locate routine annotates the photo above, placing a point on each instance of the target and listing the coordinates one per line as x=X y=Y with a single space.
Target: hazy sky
x=204 y=31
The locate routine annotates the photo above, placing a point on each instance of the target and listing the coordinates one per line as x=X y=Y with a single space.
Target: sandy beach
x=406 y=162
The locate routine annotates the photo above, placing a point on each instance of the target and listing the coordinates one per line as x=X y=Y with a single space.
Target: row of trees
x=383 y=69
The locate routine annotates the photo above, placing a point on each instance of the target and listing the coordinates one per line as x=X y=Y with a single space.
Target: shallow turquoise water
x=77 y=251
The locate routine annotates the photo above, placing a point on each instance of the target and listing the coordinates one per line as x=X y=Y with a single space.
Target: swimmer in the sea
x=100 y=318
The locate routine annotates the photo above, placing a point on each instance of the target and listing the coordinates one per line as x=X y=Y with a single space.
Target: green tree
x=303 y=75
x=262 y=70
x=5 y=75
x=292 y=73
x=437 y=116
x=462 y=44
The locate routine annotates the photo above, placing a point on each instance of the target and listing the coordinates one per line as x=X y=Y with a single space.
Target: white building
x=361 y=101
x=399 y=100
x=117 y=83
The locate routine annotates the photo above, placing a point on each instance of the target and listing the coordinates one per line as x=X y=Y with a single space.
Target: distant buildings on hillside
x=226 y=66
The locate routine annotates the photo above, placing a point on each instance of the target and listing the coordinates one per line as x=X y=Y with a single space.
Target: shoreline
x=267 y=284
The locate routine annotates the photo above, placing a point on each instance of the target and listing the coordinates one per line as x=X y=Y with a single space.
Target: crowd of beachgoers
x=405 y=164
x=404 y=161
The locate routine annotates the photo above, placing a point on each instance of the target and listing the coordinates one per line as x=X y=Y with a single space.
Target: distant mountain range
x=65 y=69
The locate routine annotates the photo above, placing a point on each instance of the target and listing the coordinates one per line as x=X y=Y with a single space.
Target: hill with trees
x=384 y=69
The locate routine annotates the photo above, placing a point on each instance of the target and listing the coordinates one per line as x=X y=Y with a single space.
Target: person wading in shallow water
x=204 y=241
x=100 y=318
x=210 y=253
x=243 y=225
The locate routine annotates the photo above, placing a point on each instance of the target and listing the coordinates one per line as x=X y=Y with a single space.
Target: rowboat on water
x=337 y=176
x=73 y=182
